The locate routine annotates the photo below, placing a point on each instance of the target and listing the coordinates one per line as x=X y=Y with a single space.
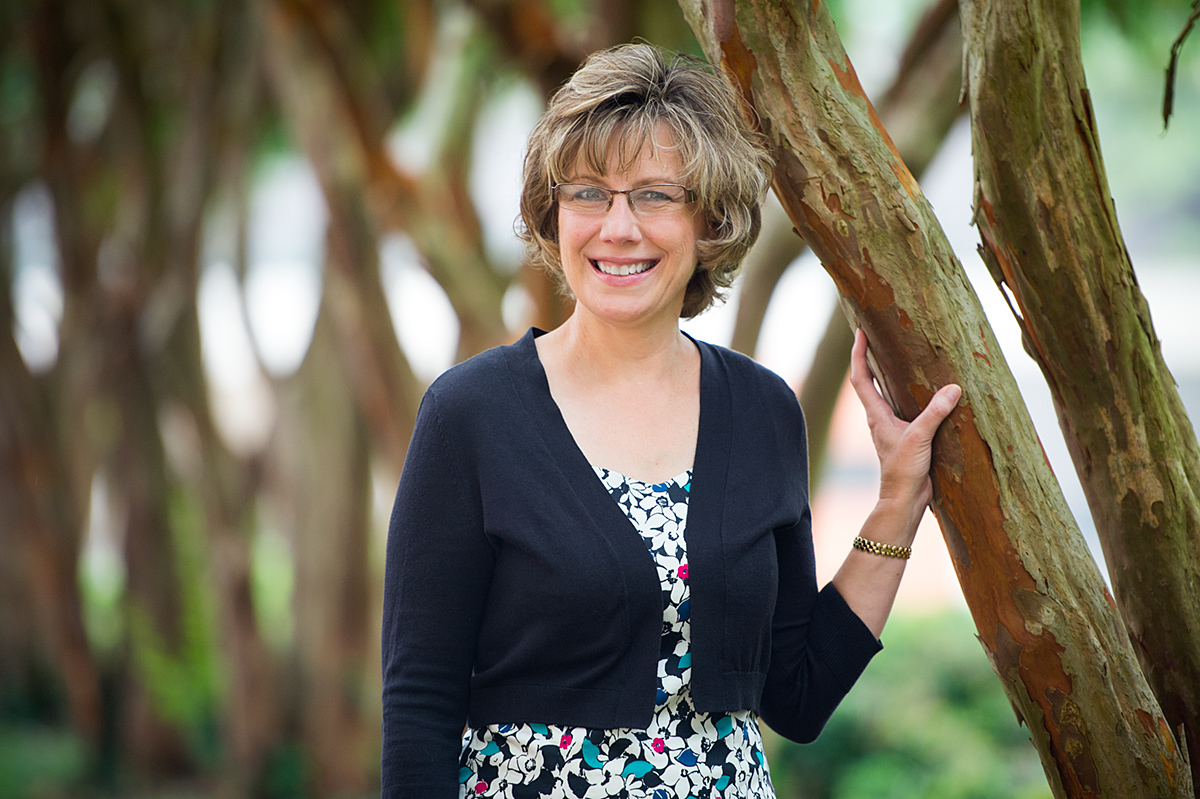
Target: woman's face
x=656 y=250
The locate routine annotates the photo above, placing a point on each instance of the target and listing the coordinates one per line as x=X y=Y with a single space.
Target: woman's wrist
x=893 y=523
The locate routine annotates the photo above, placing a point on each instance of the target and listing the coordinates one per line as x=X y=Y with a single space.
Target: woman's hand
x=904 y=448
x=868 y=581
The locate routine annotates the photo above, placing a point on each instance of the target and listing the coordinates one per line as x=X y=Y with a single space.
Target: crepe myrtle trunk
x=1050 y=236
x=1043 y=614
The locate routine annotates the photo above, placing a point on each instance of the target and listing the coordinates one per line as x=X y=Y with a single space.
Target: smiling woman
x=605 y=119
x=600 y=557
x=627 y=260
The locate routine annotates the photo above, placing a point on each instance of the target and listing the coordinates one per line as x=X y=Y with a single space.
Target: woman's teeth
x=621 y=270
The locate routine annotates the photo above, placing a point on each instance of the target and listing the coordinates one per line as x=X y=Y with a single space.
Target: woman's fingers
x=861 y=380
x=903 y=447
x=939 y=407
x=877 y=408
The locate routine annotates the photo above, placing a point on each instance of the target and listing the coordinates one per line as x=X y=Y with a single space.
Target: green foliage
x=927 y=719
x=273 y=579
x=1136 y=16
x=183 y=680
x=286 y=774
x=573 y=13
x=39 y=762
x=18 y=109
x=102 y=583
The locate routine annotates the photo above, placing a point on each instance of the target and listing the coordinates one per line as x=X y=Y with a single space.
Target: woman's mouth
x=621 y=270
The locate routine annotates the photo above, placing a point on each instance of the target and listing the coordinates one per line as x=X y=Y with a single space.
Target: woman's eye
x=591 y=195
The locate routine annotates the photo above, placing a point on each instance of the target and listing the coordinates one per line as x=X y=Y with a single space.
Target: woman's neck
x=617 y=354
x=630 y=400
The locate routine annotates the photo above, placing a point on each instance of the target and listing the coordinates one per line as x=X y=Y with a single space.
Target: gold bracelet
x=876 y=548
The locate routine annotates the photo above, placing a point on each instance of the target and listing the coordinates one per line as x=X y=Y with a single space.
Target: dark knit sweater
x=516 y=590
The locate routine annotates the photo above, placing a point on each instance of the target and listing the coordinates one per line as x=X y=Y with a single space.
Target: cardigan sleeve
x=439 y=565
x=819 y=646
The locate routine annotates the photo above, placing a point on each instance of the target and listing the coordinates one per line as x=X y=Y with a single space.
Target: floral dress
x=684 y=754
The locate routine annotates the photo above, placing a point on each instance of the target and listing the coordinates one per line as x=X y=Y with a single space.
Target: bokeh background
x=237 y=239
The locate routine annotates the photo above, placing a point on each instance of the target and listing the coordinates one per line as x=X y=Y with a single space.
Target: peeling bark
x=1050 y=235
x=919 y=108
x=1039 y=604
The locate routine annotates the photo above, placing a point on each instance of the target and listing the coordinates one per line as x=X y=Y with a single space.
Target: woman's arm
x=868 y=582
x=439 y=566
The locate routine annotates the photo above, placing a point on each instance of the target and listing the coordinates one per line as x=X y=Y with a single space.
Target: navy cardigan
x=516 y=590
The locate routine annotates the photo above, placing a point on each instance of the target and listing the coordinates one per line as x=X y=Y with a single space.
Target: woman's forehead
x=629 y=150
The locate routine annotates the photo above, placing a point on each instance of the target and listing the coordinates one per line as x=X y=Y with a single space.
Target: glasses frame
x=612 y=195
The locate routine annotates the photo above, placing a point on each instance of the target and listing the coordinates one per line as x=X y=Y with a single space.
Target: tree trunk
x=1050 y=235
x=327 y=116
x=42 y=524
x=821 y=388
x=328 y=106
x=777 y=247
x=227 y=487
x=1041 y=609
x=919 y=108
x=322 y=456
x=153 y=594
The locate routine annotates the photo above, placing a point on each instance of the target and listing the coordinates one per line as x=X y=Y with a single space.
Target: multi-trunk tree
x=1056 y=640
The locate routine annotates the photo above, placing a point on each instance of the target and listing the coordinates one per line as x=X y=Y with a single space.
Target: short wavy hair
x=620 y=96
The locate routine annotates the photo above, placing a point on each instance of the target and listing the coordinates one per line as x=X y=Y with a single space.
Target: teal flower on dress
x=683 y=753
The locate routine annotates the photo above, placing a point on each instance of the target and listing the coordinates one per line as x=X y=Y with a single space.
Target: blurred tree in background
x=223 y=636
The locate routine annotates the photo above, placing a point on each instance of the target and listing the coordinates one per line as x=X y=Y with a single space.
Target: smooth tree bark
x=1050 y=237
x=339 y=131
x=335 y=106
x=822 y=385
x=1043 y=614
x=322 y=468
x=39 y=535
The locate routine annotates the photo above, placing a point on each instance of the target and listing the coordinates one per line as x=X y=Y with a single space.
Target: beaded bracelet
x=876 y=548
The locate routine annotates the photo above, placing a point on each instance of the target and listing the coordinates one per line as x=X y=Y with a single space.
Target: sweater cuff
x=845 y=643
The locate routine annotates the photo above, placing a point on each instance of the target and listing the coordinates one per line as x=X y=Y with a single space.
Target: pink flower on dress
x=565 y=741
x=480 y=786
x=682 y=572
x=658 y=745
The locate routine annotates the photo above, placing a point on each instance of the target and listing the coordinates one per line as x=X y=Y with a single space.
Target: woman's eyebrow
x=597 y=180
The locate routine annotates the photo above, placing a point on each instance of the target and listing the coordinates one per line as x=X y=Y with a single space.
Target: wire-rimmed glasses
x=656 y=198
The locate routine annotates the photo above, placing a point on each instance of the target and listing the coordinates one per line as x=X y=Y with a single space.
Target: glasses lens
x=582 y=197
x=655 y=199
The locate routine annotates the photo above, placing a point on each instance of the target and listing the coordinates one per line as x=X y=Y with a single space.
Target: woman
x=600 y=556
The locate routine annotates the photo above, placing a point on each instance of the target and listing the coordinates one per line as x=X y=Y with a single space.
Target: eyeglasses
x=658 y=198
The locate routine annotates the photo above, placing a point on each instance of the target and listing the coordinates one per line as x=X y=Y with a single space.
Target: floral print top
x=684 y=754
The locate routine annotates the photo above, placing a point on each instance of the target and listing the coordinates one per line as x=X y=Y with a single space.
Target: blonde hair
x=620 y=96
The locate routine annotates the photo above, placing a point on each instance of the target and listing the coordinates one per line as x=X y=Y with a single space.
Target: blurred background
x=237 y=239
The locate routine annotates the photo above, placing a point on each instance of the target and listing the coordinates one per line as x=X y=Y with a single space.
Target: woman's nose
x=620 y=222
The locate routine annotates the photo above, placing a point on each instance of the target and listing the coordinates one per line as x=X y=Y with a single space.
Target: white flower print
x=683 y=754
